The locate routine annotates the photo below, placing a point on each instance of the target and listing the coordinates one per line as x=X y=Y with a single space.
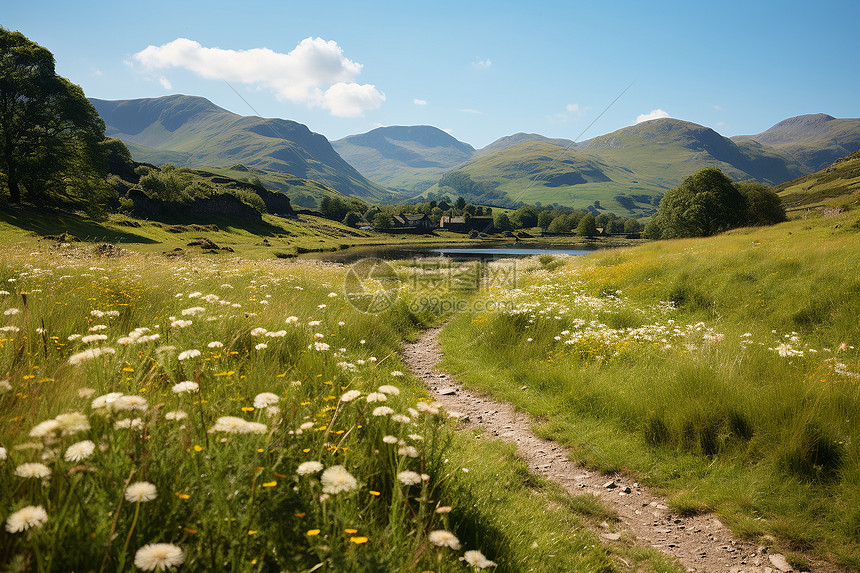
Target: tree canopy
x=708 y=202
x=50 y=135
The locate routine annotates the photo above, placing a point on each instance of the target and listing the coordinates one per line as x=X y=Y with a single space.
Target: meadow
x=229 y=415
x=722 y=371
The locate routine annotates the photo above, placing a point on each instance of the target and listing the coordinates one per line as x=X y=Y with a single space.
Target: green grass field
x=246 y=417
x=723 y=371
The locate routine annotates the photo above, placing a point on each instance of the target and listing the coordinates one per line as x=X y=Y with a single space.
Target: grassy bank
x=721 y=370
x=247 y=415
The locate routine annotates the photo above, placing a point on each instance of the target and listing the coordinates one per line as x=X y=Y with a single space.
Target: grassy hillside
x=835 y=186
x=304 y=193
x=404 y=157
x=192 y=131
x=643 y=160
x=814 y=141
x=723 y=370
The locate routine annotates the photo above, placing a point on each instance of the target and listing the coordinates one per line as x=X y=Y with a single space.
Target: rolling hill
x=194 y=132
x=836 y=186
x=640 y=161
x=814 y=141
x=404 y=157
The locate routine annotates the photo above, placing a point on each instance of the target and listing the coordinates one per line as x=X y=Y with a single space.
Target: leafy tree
x=352 y=219
x=502 y=222
x=50 y=134
x=383 y=221
x=525 y=217
x=544 y=219
x=764 y=207
x=705 y=203
x=587 y=226
x=461 y=203
x=560 y=224
x=631 y=225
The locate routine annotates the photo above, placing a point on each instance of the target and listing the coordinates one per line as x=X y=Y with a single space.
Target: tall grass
x=247 y=418
x=725 y=370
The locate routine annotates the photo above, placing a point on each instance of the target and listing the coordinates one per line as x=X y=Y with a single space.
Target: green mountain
x=836 y=186
x=194 y=132
x=404 y=157
x=624 y=170
x=516 y=139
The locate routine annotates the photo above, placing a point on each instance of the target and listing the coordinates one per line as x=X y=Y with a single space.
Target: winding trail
x=699 y=543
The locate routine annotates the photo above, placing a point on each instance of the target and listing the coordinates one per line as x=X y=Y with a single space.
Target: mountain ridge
x=201 y=134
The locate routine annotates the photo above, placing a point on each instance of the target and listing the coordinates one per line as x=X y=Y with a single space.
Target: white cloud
x=472 y=111
x=165 y=83
x=315 y=73
x=653 y=114
x=719 y=107
x=482 y=64
x=572 y=107
x=417 y=101
x=96 y=72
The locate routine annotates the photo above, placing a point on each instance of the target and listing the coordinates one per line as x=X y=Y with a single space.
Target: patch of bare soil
x=699 y=543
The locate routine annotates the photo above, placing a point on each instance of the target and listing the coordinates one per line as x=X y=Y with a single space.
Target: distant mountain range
x=394 y=163
x=194 y=132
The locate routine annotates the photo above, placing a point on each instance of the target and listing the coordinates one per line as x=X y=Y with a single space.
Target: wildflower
x=181 y=323
x=72 y=423
x=3 y=454
x=314 y=323
x=33 y=470
x=106 y=400
x=128 y=424
x=321 y=306
x=321 y=346
x=389 y=389
x=79 y=451
x=140 y=491
x=382 y=411
x=308 y=468
x=256 y=428
x=477 y=559
x=265 y=399
x=292 y=319
x=187 y=386
x=307 y=426
x=9 y=329
x=258 y=331
x=158 y=556
x=336 y=479
x=276 y=334
x=396 y=373
x=416 y=437
x=45 y=429
x=97 y=327
x=261 y=346
x=186 y=354
x=408 y=478
x=376 y=397
x=193 y=311
x=176 y=415
x=407 y=451
x=130 y=403
x=350 y=395
x=319 y=335
x=5 y=386
x=400 y=418
x=25 y=518
x=427 y=408
x=93 y=338
x=73 y=337
x=332 y=295
x=89 y=354
x=215 y=344
x=444 y=509
x=86 y=392
x=11 y=311
x=442 y=538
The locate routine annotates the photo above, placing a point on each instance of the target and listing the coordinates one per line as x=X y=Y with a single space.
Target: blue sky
x=478 y=69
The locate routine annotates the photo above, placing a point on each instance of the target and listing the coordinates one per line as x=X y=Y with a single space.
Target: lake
x=453 y=252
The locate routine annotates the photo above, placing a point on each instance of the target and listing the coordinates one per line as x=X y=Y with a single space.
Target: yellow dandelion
x=312 y=532
x=358 y=540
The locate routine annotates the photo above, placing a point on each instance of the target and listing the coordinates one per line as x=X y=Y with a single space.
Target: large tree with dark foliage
x=50 y=135
x=705 y=203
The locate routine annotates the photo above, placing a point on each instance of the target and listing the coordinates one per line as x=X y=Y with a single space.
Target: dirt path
x=699 y=543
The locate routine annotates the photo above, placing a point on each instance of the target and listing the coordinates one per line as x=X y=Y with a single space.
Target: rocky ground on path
x=699 y=543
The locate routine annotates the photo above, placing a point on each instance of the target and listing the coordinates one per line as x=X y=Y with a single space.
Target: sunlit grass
x=724 y=370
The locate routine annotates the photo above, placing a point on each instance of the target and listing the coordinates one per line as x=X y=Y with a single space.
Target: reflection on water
x=456 y=253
